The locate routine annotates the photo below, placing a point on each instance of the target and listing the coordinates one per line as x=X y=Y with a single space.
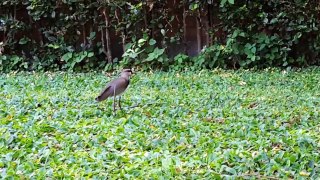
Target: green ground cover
x=205 y=124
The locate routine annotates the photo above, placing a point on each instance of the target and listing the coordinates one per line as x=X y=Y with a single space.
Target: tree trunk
x=184 y=23
x=108 y=40
x=199 y=30
x=209 y=23
x=103 y=44
x=84 y=37
x=149 y=12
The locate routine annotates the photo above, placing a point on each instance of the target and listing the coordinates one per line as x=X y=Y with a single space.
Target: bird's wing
x=109 y=89
x=105 y=93
x=122 y=85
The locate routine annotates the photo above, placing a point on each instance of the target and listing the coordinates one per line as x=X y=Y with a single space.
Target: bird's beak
x=132 y=72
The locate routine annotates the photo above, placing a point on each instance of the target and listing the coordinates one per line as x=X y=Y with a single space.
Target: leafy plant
x=272 y=36
x=72 y=58
x=144 y=53
x=9 y=63
x=180 y=62
x=238 y=33
x=187 y=125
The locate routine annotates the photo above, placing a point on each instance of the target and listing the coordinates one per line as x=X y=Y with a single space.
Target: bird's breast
x=119 y=89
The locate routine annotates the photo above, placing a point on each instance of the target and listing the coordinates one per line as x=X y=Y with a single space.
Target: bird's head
x=126 y=73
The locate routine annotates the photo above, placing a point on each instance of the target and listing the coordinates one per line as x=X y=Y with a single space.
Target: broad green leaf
x=67 y=56
x=231 y=1
x=90 y=54
x=152 y=42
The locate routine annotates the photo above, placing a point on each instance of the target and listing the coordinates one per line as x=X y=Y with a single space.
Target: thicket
x=79 y=35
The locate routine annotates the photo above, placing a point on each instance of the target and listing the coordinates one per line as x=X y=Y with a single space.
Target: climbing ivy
x=76 y=35
x=266 y=33
x=81 y=35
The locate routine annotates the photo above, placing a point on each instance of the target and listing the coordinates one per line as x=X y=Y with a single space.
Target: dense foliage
x=190 y=125
x=81 y=35
x=269 y=33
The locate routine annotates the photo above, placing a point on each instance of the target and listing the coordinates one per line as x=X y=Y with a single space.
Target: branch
x=102 y=43
x=106 y=18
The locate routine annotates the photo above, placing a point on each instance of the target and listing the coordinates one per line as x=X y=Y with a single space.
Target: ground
x=204 y=124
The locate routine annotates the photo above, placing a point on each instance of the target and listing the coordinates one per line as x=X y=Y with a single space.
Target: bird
x=116 y=88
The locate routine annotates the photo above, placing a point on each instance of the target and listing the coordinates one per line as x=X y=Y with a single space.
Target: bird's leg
x=119 y=102
x=114 y=99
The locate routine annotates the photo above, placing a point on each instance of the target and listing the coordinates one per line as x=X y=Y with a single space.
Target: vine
x=84 y=35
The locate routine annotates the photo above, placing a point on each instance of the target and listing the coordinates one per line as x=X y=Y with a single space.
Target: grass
x=206 y=124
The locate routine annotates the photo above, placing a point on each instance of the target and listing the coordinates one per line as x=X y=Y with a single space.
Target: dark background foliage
x=84 y=35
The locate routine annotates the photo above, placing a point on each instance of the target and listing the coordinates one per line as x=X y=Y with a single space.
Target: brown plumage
x=116 y=87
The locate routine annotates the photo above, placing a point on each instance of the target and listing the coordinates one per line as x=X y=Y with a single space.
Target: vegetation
x=192 y=122
x=79 y=35
x=243 y=124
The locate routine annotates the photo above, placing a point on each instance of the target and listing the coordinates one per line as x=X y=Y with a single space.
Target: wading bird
x=116 y=88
